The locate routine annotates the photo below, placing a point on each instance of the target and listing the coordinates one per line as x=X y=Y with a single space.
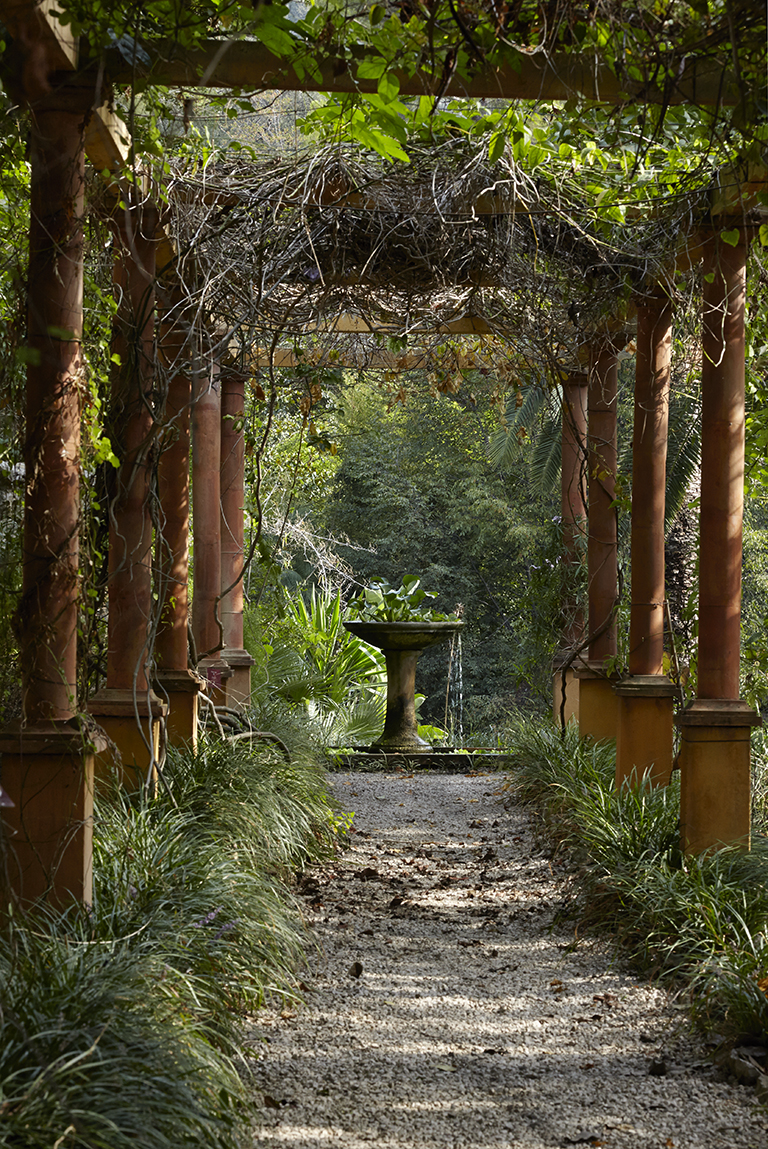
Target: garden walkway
x=444 y=1011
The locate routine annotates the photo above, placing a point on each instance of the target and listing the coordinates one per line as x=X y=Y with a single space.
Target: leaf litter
x=407 y=1041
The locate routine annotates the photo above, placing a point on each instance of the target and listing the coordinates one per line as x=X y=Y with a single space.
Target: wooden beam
x=31 y=22
x=247 y=64
x=356 y=324
x=377 y=359
x=107 y=141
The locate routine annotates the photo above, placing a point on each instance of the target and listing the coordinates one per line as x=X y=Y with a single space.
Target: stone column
x=48 y=756
x=644 y=743
x=206 y=522
x=715 y=752
x=597 y=702
x=573 y=517
x=127 y=708
x=175 y=683
x=232 y=473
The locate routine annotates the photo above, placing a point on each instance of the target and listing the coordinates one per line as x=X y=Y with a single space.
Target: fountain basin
x=402 y=643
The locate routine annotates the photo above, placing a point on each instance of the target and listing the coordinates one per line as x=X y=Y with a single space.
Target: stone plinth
x=571 y=709
x=238 y=685
x=180 y=690
x=216 y=673
x=598 y=705
x=47 y=773
x=644 y=738
x=715 y=799
x=132 y=722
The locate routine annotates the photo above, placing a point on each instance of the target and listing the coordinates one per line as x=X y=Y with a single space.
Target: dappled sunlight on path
x=445 y=1011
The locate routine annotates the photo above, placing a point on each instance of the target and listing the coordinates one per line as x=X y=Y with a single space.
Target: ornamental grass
x=698 y=922
x=121 y=1021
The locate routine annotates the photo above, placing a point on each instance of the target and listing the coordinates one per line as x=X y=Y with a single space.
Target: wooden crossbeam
x=247 y=64
x=357 y=324
x=378 y=359
x=33 y=22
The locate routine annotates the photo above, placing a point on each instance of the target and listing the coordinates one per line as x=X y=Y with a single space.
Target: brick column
x=174 y=681
x=48 y=757
x=715 y=752
x=597 y=702
x=644 y=742
x=127 y=708
x=232 y=475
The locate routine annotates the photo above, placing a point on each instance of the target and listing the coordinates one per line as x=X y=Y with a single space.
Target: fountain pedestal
x=402 y=643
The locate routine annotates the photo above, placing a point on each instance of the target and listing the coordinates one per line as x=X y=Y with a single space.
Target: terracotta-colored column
x=573 y=516
x=47 y=759
x=716 y=726
x=645 y=734
x=597 y=702
x=232 y=473
x=127 y=708
x=206 y=522
x=173 y=680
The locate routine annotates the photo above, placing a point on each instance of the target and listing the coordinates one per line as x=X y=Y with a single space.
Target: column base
x=715 y=798
x=571 y=709
x=238 y=686
x=598 y=705
x=644 y=738
x=116 y=710
x=215 y=672
x=47 y=775
x=179 y=689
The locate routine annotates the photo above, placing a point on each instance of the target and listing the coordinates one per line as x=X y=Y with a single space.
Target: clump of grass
x=700 y=921
x=90 y=1056
x=119 y=1022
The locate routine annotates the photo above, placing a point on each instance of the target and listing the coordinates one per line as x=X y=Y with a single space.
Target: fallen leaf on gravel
x=356 y=969
x=444 y=1066
x=271 y=1102
x=368 y=874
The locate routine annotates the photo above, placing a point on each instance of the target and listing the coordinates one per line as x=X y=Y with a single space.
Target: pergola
x=151 y=692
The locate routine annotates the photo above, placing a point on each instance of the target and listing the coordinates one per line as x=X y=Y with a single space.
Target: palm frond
x=505 y=445
x=546 y=456
x=683 y=452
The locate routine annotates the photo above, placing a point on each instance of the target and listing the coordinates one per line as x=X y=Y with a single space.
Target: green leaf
x=763 y=234
x=496 y=146
x=389 y=87
x=371 y=69
x=731 y=237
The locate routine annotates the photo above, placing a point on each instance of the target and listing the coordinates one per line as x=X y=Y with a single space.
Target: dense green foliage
x=415 y=491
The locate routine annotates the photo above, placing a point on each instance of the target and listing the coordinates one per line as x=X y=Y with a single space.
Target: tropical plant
x=312 y=666
x=409 y=602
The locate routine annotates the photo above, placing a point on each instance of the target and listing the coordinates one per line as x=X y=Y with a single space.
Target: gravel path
x=443 y=1010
